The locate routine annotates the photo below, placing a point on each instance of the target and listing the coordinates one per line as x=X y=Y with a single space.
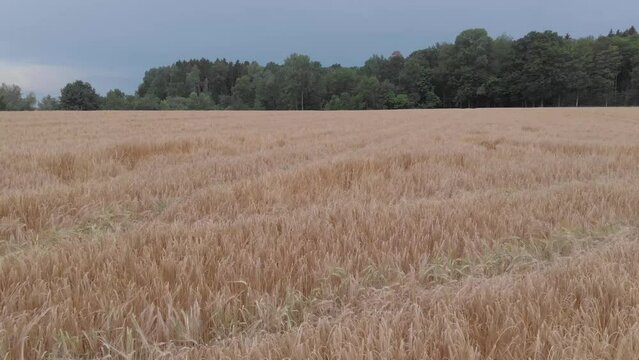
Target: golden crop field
x=437 y=234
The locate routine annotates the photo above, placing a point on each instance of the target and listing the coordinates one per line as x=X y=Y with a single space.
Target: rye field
x=436 y=234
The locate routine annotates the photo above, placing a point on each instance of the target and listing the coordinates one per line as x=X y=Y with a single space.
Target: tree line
x=539 y=69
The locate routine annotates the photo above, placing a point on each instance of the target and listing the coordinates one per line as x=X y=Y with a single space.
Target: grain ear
x=479 y=234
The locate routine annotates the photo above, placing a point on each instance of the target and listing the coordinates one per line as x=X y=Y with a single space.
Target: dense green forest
x=539 y=69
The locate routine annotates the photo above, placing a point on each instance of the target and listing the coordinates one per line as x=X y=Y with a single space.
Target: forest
x=476 y=70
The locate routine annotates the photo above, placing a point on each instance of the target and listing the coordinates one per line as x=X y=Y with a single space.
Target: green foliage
x=147 y=102
x=175 y=103
x=375 y=66
x=195 y=101
x=29 y=102
x=217 y=78
x=200 y=101
x=49 y=103
x=540 y=66
x=302 y=82
x=473 y=50
x=243 y=93
x=604 y=70
x=116 y=100
x=374 y=93
x=11 y=99
x=427 y=97
x=345 y=101
x=635 y=73
x=79 y=95
x=400 y=101
x=193 y=80
x=340 y=80
x=539 y=69
x=269 y=88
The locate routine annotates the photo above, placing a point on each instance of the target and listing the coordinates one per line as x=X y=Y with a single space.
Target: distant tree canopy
x=539 y=69
x=11 y=99
x=79 y=95
x=48 y=103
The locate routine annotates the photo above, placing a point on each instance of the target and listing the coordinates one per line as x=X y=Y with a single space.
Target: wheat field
x=437 y=234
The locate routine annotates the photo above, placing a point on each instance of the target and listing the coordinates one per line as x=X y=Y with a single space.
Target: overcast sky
x=46 y=43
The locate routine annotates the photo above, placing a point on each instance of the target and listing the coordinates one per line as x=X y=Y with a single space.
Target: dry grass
x=454 y=234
